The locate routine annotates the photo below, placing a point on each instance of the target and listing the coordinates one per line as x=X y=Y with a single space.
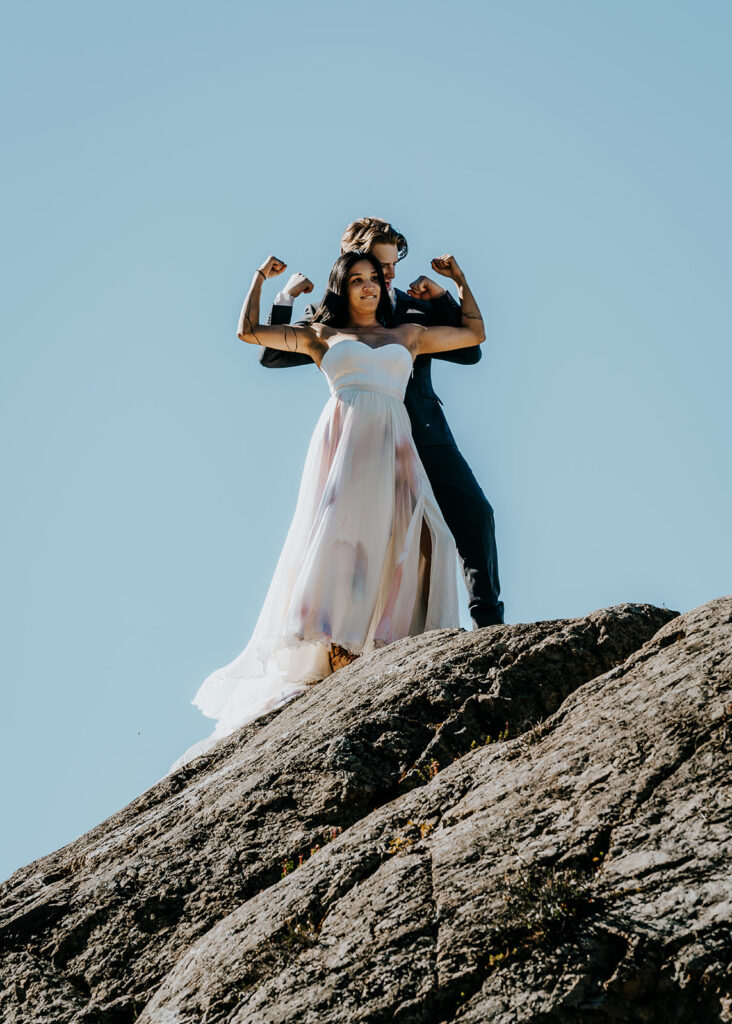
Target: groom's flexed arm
x=442 y=338
x=444 y=312
x=281 y=313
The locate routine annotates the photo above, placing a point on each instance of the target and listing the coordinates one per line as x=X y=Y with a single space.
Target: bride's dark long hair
x=333 y=309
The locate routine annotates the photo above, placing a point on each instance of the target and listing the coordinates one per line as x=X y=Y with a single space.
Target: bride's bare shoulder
x=407 y=334
x=321 y=341
x=323 y=331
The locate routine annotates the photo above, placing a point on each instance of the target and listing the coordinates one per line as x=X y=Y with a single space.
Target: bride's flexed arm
x=281 y=336
x=472 y=330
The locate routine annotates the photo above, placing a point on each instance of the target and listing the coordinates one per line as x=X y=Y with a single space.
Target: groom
x=467 y=511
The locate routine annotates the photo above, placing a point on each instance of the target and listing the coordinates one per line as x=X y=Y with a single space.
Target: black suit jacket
x=429 y=426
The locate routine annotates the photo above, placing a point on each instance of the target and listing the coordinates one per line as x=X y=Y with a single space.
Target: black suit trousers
x=469 y=516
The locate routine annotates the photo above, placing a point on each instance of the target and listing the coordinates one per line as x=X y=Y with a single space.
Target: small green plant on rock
x=327 y=836
x=500 y=738
x=403 y=842
x=535 y=734
x=296 y=935
x=429 y=770
x=540 y=907
x=425 y=772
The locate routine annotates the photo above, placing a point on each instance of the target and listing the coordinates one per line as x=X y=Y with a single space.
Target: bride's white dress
x=354 y=565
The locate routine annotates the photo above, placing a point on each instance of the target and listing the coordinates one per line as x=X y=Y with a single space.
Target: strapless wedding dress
x=353 y=568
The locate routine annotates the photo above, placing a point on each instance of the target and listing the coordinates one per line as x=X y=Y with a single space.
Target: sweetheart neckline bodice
x=352 y=369
x=372 y=348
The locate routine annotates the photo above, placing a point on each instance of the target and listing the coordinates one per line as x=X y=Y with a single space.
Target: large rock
x=443 y=854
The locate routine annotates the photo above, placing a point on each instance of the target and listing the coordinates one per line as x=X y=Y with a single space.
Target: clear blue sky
x=574 y=155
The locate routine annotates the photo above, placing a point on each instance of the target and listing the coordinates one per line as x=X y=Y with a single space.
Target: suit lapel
x=407 y=308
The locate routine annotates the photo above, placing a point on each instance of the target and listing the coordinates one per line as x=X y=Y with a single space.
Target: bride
x=368 y=558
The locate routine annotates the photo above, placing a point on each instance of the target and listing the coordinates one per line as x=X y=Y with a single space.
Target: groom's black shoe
x=487 y=616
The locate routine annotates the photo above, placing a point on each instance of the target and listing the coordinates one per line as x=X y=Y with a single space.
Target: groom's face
x=388 y=256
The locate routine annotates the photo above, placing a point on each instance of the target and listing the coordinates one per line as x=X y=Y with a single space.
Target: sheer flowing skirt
x=368 y=559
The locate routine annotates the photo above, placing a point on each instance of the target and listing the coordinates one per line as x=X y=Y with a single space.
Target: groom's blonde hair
x=369 y=231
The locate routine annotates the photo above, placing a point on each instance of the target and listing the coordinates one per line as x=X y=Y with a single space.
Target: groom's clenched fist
x=298 y=285
x=272 y=267
x=425 y=288
x=447 y=266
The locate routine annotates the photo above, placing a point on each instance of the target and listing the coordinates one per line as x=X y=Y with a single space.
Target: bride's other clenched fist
x=272 y=267
x=447 y=266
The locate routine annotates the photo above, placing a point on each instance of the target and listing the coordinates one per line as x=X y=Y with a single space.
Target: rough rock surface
x=523 y=823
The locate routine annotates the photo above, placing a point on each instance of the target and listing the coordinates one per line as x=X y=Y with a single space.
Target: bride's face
x=363 y=288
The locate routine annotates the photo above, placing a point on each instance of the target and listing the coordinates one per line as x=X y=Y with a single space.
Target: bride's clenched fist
x=272 y=267
x=447 y=266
